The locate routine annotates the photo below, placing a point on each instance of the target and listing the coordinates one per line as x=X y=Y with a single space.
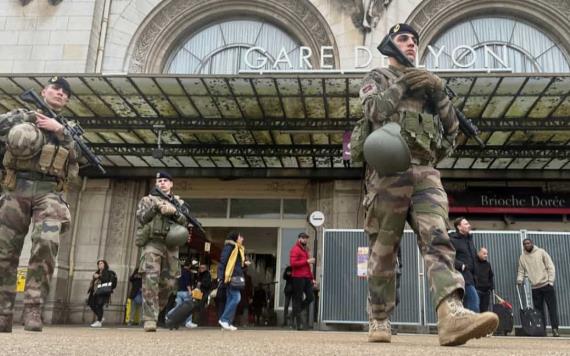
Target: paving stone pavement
x=84 y=341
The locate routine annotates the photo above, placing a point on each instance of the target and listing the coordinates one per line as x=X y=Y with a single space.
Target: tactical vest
x=157 y=229
x=52 y=160
x=422 y=131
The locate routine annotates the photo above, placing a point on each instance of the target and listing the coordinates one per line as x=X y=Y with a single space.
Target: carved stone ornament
x=174 y=14
x=365 y=14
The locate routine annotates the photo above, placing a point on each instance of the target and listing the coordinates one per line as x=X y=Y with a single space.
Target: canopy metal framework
x=293 y=124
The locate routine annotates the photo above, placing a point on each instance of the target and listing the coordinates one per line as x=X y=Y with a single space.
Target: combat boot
x=379 y=330
x=5 y=323
x=32 y=316
x=150 y=326
x=456 y=325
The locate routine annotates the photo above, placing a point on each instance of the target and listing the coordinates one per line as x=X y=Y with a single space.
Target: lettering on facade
x=463 y=57
x=513 y=201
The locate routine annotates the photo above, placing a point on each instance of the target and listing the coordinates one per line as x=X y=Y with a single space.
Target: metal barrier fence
x=343 y=294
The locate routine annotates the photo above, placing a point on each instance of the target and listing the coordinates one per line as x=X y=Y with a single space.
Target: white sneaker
x=233 y=328
x=97 y=324
x=191 y=325
x=225 y=325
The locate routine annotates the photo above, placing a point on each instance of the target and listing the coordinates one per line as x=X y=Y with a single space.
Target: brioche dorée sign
x=509 y=201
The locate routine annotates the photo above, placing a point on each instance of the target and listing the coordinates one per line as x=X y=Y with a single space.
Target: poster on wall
x=361 y=262
x=21 y=281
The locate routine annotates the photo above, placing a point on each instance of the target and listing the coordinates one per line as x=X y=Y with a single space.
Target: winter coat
x=298 y=257
x=226 y=252
x=465 y=254
x=485 y=277
x=538 y=266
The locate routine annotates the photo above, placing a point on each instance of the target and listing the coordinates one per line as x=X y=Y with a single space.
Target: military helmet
x=386 y=151
x=177 y=236
x=25 y=140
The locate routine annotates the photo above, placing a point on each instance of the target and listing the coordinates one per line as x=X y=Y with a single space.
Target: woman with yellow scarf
x=230 y=277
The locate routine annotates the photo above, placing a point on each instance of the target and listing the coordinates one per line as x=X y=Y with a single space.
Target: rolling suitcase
x=531 y=320
x=179 y=314
x=504 y=311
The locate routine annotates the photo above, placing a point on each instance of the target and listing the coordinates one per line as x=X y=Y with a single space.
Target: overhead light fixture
x=158 y=153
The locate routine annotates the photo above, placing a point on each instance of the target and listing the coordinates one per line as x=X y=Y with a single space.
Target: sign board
x=508 y=200
x=317 y=218
x=463 y=57
x=362 y=262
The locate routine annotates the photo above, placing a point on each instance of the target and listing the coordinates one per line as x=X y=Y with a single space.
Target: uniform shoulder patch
x=367 y=90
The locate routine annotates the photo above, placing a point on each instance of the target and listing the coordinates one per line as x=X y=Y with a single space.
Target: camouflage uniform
x=159 y=265
x=416 y=195
x=31 y=195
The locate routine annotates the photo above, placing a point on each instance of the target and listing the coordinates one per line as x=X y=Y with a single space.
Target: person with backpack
x=100 y=289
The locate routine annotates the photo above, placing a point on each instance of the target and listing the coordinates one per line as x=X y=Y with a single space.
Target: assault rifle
x=75 y=131
x=182 y=209
x=388 y=48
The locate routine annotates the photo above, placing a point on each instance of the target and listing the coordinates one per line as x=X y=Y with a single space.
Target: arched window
x=221 y=49
x=528 y=49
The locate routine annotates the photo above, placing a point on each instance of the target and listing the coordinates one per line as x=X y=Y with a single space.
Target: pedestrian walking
x=465 y=261
x=163 y=229
x=485 y=279
x=135 y=295
x=302 y=280
x=410 y=125
x=103 y=282
x=537 y=265
x=288 y=292
x=40 y=158
x=230 y=275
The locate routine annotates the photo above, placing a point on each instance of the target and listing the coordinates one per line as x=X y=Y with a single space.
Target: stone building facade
x=137 y=36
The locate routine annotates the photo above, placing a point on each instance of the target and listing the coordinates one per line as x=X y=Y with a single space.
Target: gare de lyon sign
x=363 y=58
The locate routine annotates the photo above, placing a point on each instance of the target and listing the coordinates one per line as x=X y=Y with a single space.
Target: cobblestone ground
x=83 y=341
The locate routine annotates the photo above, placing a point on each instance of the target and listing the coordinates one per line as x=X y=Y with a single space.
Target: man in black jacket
x=485 y=279
x=465 y=257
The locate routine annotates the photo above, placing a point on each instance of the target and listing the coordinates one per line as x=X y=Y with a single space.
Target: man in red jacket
x=302 y=279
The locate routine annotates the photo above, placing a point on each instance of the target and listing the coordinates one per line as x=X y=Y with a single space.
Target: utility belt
x=37 y=176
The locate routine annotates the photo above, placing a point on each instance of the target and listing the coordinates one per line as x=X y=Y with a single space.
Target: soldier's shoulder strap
x=388 y=73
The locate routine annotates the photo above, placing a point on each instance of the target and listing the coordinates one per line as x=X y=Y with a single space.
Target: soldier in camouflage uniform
x=40 y=157
x=415 y=99
x=159 y=266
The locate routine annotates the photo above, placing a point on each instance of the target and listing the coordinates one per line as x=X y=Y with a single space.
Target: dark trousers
x=302 y=295
x=288 y=297
x=484 y=300
x=96 y=303
x=546 y=294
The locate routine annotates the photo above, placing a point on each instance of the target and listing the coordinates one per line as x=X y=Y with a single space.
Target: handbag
x=197 y=294
x=237 y=282
x=104 y=288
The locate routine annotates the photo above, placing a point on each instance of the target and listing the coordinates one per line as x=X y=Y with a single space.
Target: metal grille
x=343 y=294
